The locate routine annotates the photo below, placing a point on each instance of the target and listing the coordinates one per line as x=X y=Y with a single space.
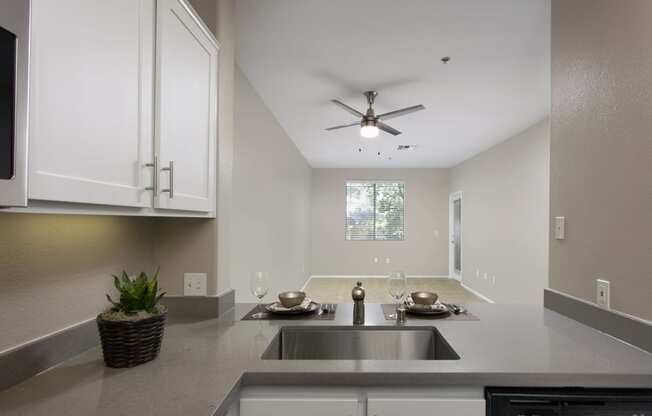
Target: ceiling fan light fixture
x=369 y=132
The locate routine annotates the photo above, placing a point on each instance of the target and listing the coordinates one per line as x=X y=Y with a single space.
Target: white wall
x=271 y=198
x=426 y=210
x=505 y=219
x=601 y=150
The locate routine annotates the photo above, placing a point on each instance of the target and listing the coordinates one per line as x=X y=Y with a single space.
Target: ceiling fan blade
x=384 y=127
x=401 y=112
x=357 y=123
x=347 y=108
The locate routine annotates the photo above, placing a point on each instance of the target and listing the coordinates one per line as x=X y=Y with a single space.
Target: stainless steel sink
x=359 y=343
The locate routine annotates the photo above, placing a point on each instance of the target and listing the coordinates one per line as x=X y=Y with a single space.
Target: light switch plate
x=560 y=228
x=194 y=284
x=603 y=293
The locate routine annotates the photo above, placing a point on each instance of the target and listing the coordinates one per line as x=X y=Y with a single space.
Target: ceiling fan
x=370 y=123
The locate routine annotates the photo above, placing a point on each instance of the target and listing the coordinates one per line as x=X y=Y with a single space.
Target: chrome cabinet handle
x=170 y=169
x=154 y=187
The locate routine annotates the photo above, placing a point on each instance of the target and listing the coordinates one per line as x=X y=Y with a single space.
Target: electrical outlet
x=485 y=276
x=560 y=228
x=375 y=259
x=493 y=279
x=387 y=260
x=603 y=295
x=194 y=284
x=477 y=272
x=436 y=232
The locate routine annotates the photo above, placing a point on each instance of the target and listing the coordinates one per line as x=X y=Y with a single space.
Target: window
x=375 y=210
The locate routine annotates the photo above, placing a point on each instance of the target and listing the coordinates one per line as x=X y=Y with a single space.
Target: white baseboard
x=366 y=276
x=376 y=276
x=478 y=294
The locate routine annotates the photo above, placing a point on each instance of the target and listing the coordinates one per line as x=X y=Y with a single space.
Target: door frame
x=454 y=196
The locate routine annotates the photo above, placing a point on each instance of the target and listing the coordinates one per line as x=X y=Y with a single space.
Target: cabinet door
x=299 y=407
x=91 y=101
x=186 y=107
x=450 y=406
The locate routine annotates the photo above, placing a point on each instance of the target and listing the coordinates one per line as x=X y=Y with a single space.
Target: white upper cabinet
x=91 y=101
x=186 y=108
x=122 y=109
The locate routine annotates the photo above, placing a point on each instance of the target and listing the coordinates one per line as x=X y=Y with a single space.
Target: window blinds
x=375 y=210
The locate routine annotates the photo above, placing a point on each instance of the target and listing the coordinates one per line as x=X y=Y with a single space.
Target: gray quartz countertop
x=203 y=364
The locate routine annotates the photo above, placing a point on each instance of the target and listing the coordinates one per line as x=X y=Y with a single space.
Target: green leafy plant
x=136 y=294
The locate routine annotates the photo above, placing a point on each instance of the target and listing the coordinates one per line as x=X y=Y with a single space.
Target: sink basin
x=359 y=343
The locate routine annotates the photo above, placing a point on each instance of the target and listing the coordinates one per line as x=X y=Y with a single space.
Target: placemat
x=391 y=309
x=318 y=315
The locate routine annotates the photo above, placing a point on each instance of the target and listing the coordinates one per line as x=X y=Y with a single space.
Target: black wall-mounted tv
x=7 y=102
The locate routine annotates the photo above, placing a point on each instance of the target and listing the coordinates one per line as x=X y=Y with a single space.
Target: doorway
x=455 y=227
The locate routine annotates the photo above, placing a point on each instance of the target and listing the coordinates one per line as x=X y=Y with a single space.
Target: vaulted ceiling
x=299 y=54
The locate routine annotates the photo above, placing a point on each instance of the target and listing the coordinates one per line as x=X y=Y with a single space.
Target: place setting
x=291 y=305
x=419 y=304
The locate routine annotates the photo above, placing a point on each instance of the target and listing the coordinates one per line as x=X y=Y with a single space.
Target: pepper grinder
x=358 y=304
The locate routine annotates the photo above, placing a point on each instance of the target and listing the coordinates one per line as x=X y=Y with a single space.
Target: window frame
x=374 y=182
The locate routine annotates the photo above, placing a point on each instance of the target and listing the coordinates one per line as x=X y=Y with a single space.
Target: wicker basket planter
x=130 y=343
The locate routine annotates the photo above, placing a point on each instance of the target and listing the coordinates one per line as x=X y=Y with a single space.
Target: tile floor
x=338 y=290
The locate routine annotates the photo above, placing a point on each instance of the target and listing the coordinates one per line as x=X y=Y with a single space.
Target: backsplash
x=55 y=269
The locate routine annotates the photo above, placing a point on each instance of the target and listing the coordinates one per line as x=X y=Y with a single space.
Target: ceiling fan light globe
x=369 y=132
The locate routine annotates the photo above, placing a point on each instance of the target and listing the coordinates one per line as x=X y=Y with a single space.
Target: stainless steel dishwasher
x=568 y=402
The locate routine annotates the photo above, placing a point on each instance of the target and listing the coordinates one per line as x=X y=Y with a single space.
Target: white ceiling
x=298 y=54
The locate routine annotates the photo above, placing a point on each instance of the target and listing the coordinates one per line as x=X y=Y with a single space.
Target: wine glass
x=396 y=286
x=259 y=286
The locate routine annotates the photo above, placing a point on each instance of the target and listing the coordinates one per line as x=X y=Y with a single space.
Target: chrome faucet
x=358 y=304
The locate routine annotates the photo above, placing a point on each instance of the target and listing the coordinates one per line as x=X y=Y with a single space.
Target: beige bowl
x=424 y=298
x=290 y=299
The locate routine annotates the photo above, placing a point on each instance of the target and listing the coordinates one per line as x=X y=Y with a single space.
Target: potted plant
x=132 y=329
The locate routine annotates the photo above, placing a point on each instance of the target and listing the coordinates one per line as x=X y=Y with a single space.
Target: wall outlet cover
x=387 y=260
x=194 y=284
x=560 y=228
x=603 y=293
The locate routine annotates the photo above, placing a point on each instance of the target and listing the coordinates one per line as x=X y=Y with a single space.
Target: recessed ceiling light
x=445 y=59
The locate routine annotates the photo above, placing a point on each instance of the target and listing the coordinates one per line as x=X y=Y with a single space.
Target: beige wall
x=271 y=198
x=426 y=210
x=207 y=9
x=601 y=150
x=505 y=207
x=56 y=269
